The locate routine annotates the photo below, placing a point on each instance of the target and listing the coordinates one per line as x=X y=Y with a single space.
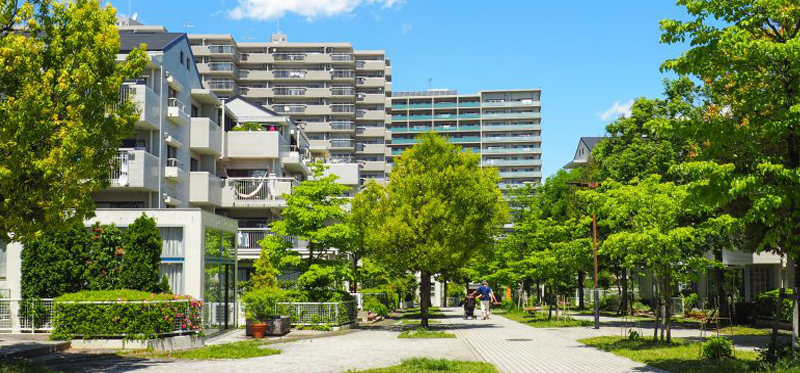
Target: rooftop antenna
x=187 y=25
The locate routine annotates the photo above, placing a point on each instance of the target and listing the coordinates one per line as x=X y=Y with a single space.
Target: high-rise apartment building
x=503 y=126
x=337 y=94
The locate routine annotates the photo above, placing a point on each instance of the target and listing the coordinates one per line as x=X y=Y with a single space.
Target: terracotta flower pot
x=259 y=330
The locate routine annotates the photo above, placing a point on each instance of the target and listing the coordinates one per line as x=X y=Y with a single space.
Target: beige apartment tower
x=337 y=94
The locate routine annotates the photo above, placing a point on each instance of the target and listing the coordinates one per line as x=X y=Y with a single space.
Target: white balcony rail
x=341 y=57
x=249 y=238
x=343 y=108
x=342 y=143
x=173 y=162
x=221 y=49
x=220 y=84
x=299 y=74
x=289 y=57
x=221 y=66
x=119 y=166
x=343 y=74
x=343 y=126
x=174 y=102
x=260 y=189
x=289 y=91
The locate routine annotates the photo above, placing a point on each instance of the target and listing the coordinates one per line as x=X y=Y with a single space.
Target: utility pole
x=594 y=249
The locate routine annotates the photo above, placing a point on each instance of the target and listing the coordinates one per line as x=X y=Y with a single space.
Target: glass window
x=172 y=242
x=174 y=273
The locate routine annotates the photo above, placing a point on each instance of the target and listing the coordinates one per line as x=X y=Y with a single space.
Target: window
x=188 y=64
x=194 y=165
x=174 y=273
x=172 y=92
x=3 y=259
x=759 y=280
x=171 y=242
x=195 y=111
x=172 y=152
x=181 y=57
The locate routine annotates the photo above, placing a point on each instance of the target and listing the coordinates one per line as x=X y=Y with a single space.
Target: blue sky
x=589 y=57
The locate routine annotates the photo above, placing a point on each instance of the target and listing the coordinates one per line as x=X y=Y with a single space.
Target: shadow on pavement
x=94 y=362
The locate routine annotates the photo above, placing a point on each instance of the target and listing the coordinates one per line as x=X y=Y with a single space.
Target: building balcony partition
x=205 y=188
x=257 y=192
x=342 y=91
x=289 y=74
x=289 y=57
x=286 y=91
x=135 y=168
x=343 y=125
x=205 y=136
x=147 y=103
x=248 y=241
x=176 y=112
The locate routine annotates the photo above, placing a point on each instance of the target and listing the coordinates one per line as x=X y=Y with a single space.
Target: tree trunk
x=424 y=298
x=668 y=307
x=444 y=291
x=722 y=293
x=656 y=307
x=550 y=308
x=796 y=290
x=354 y=284
x=623 y=305
x=581 y=280
x=773 y=340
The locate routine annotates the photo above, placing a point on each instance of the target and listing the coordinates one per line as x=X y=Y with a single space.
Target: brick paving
x=515 y=347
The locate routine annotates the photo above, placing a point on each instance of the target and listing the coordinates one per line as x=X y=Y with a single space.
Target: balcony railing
x=342 y=143
x=343 y=126
x=221 y=84
x=228 y=49
x=343 y=108
x=221 y=66
x=290 y=108
x=249 y=238
x=289 y=57
x=342 y=91
x=289 y=91
x=343 y=74
x=174 y=102
x=174 y=162
x=341 y=57
x=260 y=189
x=295 y=74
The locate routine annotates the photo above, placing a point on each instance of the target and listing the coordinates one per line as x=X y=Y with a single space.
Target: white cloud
x=617 y=110
x=406 y=27
x=271 y=9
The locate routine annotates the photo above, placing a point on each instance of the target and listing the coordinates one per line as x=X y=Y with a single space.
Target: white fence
x=19 y=316
x=316 y=313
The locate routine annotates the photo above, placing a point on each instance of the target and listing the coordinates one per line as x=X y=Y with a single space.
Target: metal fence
x=320 y=313
x=26 y=315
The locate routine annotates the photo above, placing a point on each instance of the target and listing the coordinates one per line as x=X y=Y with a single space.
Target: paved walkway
x=515 y=347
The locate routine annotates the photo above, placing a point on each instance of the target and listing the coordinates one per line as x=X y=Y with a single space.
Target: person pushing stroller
x=469 y=307
x=487 y=297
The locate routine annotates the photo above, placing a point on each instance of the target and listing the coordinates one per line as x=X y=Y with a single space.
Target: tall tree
x=142 y=256
x=61 y=119
x=748 y=140
x=361 y=219
x=439 y=210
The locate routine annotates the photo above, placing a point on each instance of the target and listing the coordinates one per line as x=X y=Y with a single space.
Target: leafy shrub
x=455 y=290
x=690 y=301
x=717 y=348
x=641 y=307
x=507 y=305
x=261 y=305
x=124 y=313
x=388 y=297
x=55 y=263
x=765 y=305
x=633 y=335
x=610 y=303
x=373 y=305
x=782 y=357
x=141 y=256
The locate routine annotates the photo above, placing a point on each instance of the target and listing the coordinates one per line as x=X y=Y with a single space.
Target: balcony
x=253 y=144
x=371 y=132
x=176 y=112
x=520 y=174
x=222 y=50
x=459 y=140
x=511 y=162
x=343 y=74
x=513 y=139
x=527 y=114
x=343 y=108
x=370 y=114
x=296 y=160
x=342 y=57
x=340 y=144
x=174 y=170
x=205 y=189
x=371 y=65
x=512 y=127
x=135 y=169
x=147 y=103
x=218 y=68
x=344 y=125
x=289 y=108
x=371 y=81
x=222 y=85
x=320 y=146
x=253 y=75
x=206 y=136
x=372 y=149
x=342 y=91
x=374 y=166
x=512 y=150
x=289 y=74
x=511 y=103
x=251 y=192
x=370 y=98
x=281 y=91
x=288 y=57
x=248 y=241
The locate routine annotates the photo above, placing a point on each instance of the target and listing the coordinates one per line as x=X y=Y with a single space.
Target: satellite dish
x=123 y=180
x=135 y=16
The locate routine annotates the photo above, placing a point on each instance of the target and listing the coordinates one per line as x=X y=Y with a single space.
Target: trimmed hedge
x=128 y=314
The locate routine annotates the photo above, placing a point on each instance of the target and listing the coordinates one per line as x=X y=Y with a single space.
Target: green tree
x=748 y=139
x=55 y=263
x=60 y=113
x=439 y=210
x=105 y=257
x=361 y=219
x=142 y=256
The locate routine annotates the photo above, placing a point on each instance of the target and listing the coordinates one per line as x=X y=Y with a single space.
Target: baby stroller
x=469 y=307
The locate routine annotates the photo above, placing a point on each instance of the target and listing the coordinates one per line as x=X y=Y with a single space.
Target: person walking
x=486 y=296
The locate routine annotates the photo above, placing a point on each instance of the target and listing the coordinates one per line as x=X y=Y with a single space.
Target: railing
x=221 y=49
x=290 y=108
x=174 y=102
x=509 y=103
x=342 y=91
x=320 y=313
x=343 y=126
x=249 y=238
x=289 y=57
x=119 y=164
x=437 y=92
x=341 y=57
x=343 y=108
x=510 y=150
x=343 y=74
x=289 y=91
x=289 y=74
x=220 y=84
x=342 y=143
x=342 y=159
x=221 y=66
x=174 y=162
x=260 y=189
x=31 y=315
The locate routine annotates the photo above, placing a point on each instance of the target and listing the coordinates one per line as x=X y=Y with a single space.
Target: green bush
x=641 y=307
x=261 y=305
x=124 y=313
x=456 y=291
x=373 y=305
x=765 y=305
x=141 y=257
x=690 y=301
x=717 y=348
x=390 y=298
x=610 y=303
x=55 y=263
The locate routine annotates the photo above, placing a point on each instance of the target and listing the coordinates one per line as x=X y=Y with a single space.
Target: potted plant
x=261 y=306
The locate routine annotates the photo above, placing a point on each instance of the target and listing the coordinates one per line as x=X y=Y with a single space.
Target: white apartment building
x=503 y=126
x=337 y=93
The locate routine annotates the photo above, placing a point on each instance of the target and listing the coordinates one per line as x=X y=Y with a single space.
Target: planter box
x=166 y=344
x=278 y=326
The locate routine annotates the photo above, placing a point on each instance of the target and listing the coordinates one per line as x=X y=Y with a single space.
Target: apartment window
x=171 y=242
x=759 y=280
x=172 y=152
x=181 y=57
x=195 y=111
x=194 y=165
x=174 y=273
x=188 y=64
x=172 y=93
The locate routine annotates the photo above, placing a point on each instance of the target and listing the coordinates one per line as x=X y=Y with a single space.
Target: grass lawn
x=425 y=333
x=741 y=330
x=417 y=321
x=539 y=320
x=21 y=366
x=428 y=365
x=236 y=350
x=678 y=357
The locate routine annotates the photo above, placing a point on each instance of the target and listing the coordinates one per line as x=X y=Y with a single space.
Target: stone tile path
x=515 y=347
